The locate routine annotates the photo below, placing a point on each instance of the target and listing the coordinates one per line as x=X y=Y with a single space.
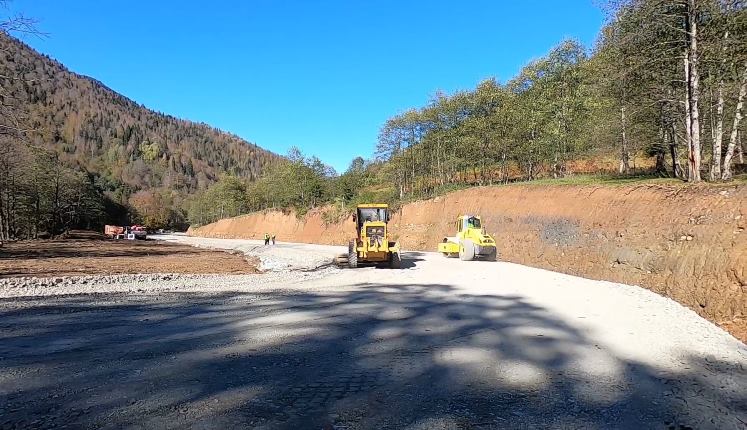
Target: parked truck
x=114 y=231
x=131 y=232
x=137 y=232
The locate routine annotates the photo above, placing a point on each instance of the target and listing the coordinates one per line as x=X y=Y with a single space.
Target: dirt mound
x=311 y=228
x=685 y=242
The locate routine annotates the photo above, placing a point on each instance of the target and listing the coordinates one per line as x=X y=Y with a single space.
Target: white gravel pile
x=155 y=283
x=281 y=257
x=98 y=279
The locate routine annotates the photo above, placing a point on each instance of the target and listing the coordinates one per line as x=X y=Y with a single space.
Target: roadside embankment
x=684 y=242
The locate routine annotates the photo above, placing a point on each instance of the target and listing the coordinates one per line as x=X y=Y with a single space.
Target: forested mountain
x=102 y=131
x=131 y=155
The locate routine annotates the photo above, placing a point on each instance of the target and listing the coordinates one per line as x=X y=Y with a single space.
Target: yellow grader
x=470 y=241
x=371 y=244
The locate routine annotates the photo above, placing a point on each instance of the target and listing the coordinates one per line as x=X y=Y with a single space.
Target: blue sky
x=321 y=75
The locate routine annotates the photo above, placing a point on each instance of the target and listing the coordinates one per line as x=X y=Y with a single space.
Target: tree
x=350 y=183
x=153 y=209
x=727 y=174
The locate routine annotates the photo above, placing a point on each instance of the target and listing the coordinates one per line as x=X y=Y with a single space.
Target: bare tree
x=692 y=80
x=16 y=23
x=718 y=133
x=727 y=174
x=11 y=129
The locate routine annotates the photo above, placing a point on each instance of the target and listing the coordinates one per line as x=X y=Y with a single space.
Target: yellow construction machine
x=372 y=244
x=470 y=242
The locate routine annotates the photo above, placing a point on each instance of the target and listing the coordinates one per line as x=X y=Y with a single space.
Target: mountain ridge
x=93 y=127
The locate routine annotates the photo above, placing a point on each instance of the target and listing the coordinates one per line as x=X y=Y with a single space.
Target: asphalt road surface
x=440 y=344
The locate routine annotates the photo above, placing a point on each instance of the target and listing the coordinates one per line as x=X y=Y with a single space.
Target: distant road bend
x=440 y=344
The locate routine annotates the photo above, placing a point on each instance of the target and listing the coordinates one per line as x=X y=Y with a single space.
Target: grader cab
x=372 y=243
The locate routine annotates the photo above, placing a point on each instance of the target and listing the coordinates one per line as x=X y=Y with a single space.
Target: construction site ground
x=440 y=344
x=688 y=243
x=87 y=253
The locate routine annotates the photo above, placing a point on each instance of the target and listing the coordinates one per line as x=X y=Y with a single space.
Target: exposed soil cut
x=684 y=242
x=89 y=255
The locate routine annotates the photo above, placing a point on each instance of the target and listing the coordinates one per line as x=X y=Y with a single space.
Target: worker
x=267 y=238
x=273 y=239
x=379 y=236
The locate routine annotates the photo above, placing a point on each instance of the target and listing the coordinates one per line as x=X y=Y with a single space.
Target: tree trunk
x=555 y=166
x=482 y=163
x=3 y=235
x=439 y=164
x=624 y=154
x=56 y=217
x=719 y=133
x=692 y=76
x=740 y=149
x=661 y=168
x=727 y=174
x=688 y=116
x=530 y=170
x=673 y=149
x=7 y=214
x=504 y=173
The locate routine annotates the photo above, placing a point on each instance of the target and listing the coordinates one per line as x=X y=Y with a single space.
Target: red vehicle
x=114 y=231
x=132 y=232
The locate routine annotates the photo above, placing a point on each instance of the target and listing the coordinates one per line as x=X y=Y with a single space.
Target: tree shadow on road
x=378 y=356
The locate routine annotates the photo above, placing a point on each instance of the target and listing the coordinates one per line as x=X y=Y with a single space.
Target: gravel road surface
x=440 y=344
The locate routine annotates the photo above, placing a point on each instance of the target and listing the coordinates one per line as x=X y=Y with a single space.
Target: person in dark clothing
x=267 y=239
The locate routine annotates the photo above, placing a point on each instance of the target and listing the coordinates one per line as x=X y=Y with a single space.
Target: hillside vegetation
x=661 y=94
x=75 y=153
x=666 y=80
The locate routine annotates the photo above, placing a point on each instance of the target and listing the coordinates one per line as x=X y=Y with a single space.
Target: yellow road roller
x=471 y=242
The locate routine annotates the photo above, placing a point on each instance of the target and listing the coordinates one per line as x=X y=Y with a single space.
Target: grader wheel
x=395 y=261
x=352 y=255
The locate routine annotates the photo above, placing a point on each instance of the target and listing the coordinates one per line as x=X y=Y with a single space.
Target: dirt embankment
x=687 y=243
